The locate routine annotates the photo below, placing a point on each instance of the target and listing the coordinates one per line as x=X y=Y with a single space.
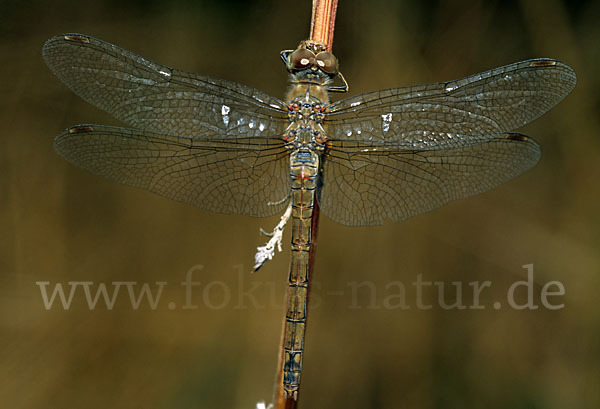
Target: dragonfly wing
x=246 y=175
x=366 y=184
x=496 y=101
x=154 y=97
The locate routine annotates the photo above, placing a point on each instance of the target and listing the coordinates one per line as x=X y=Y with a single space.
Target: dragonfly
x=225 y=147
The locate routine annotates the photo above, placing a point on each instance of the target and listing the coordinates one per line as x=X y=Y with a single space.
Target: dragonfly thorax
x=308 y=107
x=305 y=136
x=306 y=116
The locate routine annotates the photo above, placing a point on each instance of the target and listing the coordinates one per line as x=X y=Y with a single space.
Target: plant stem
x=322 y=23
x=321 y=29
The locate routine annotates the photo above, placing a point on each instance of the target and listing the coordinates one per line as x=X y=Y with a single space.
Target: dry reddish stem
x=321 y=29
x=322 y=23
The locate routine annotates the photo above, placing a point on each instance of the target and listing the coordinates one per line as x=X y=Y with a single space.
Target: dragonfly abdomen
x=304 y=173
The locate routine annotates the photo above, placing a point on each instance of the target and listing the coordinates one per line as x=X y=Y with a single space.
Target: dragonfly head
x=311 y=59
x=311 y=62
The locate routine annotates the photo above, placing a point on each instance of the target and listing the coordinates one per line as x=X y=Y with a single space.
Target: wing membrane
x=154 y=97
x=246 y=176
x=363 y=185
x=391 y=154
x=496 y=101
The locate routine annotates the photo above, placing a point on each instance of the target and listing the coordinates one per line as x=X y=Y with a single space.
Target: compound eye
x=302 y=58
x=327 y=62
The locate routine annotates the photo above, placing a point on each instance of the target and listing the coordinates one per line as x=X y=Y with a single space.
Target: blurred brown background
x=60 y=224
